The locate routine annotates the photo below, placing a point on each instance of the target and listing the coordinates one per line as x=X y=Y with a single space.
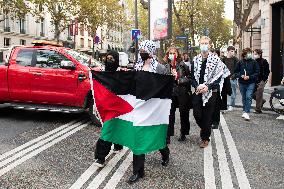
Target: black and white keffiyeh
x=149 y=47
x=213 y=71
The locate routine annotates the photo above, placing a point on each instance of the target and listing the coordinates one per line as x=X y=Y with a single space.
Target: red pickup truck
x=47 y=78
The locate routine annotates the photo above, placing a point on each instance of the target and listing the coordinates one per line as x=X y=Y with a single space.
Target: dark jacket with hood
x=247 y=67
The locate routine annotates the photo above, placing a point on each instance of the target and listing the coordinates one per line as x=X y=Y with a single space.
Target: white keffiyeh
x=213 y=71
x=149 y=47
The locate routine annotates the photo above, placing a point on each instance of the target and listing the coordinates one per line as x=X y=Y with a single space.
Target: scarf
x=213 y=71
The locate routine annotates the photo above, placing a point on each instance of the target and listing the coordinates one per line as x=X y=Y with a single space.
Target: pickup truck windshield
x=80 y=57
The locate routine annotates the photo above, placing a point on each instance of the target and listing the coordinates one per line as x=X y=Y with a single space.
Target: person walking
x=206 y=74
x=147 y=62
x=261 y=80
x=231 y=62
x=223 y=91
x=247 y=71
x=186 y=59
x=181 y=97
x=103 y=147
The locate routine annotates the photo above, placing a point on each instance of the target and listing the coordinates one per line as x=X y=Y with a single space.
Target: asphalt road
x=40 y=150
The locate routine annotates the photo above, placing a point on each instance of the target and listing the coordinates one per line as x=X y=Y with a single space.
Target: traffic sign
x=135 y=34
x=181 y=37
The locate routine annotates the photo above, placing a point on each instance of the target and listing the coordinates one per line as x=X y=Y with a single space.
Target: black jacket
x=264 y=69
x=250 y=67
x=183 y=82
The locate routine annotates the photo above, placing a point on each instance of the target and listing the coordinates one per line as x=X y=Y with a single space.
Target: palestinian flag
x=134 y=108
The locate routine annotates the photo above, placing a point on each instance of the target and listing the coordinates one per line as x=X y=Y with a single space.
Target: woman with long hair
x=181 y=97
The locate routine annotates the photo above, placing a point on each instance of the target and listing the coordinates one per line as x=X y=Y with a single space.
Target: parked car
x=45 y=77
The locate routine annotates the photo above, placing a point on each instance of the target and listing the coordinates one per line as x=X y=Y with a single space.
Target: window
x=49 y=59
x=25 y=57
x=42 y=27
x=82 y=30
x=23 y=42
x=89 y=43
x=22 y=26
x=82 y=42
x=7 y=42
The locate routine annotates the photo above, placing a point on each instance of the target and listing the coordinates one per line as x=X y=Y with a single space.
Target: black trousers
x=178 y=102
x=103 y=148
x=203 y=114
x=139 y=160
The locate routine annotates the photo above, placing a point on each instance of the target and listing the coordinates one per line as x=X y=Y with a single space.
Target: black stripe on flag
x=120 y=82
x=150 y=85
x=143 y=85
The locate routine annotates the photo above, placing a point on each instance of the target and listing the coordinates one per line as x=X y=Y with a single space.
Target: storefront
x=277 y=51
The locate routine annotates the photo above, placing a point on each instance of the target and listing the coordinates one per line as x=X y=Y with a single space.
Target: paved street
x=51 y=150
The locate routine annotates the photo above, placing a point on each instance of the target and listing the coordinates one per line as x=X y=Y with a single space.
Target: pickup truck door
x=50 y=83
x=4 y=94
x=19 y=76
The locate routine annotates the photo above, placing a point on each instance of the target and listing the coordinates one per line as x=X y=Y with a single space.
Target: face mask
x=144 y=56
x=204 y=48
x=111 y=66
x=171 y=57
x=256 y=56
x=249 y=56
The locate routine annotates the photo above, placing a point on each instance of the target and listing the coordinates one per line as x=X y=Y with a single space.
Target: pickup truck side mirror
x=66 y=64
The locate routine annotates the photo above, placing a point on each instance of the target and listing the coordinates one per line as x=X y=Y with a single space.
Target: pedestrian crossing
x=118 y=164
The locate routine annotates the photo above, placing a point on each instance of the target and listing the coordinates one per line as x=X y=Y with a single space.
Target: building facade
x=25 y=30
x=264 y=29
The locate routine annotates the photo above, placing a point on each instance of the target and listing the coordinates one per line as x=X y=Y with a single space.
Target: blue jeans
x=246 y=92
x=234 y=92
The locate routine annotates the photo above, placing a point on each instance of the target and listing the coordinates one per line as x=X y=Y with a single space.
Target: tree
x=200 y=16
x=16 y=9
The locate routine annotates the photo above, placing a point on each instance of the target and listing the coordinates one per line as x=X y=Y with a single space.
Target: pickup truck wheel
x=94 y=116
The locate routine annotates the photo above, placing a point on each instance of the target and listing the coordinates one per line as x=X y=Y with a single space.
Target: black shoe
x=181 y=138
x=215 y=126
x=135 y=177
x=99 y=163
x=165 y=162
x=257 y=111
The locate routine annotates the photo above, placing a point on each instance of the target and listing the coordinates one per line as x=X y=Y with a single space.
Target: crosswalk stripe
x=97 y=181
x=23 y=152
x=37 y=151
x=237 y=163
x=7 y=154
x=114 y=180
x=226 y=178
x=209 y=175
x=87 y=174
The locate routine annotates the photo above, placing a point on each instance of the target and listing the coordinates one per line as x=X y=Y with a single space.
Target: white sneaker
x=243 y=115
x=246 y=116
x=230 y=108
x=99 y=163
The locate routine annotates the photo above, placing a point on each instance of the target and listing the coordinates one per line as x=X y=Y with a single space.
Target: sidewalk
x=266 y=96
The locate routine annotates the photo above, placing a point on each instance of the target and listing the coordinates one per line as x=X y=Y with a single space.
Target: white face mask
x=171 y=57
x=256 y=56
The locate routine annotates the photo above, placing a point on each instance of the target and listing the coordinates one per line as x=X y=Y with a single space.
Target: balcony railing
x=22 y=31
x=7 y=29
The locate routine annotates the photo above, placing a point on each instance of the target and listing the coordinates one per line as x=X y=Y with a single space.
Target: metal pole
x=136 y=27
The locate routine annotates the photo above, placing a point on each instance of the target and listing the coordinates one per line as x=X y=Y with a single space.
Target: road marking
x=209 y=175
x=97 y=181
x=114 y=180
x=5 y=155
x=87 y=174
x=237 y=163
x=42 y=148
x=40 y=143
x=226 y=178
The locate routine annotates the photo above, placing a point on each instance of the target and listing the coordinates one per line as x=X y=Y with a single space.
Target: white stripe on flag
x=154 y=111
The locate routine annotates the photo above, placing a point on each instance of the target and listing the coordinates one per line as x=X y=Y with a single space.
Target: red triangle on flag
x=108 y=104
